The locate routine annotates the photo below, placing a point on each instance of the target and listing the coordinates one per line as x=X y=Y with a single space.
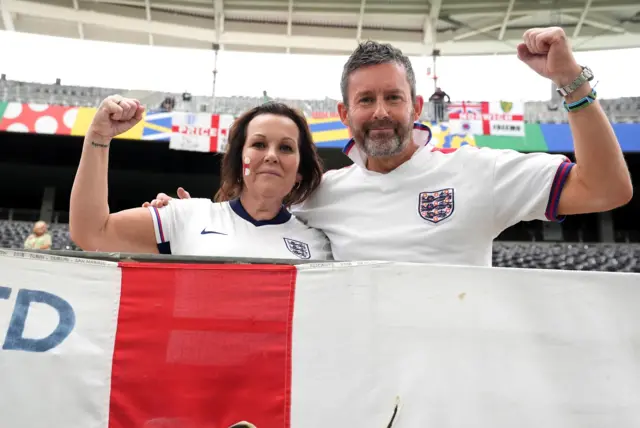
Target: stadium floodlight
x=216 y=48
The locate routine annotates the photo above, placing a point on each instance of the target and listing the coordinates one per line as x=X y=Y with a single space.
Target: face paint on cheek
x=245 y=166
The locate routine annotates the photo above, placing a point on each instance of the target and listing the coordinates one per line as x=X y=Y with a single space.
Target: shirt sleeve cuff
x=557 y=185
x=162 y=240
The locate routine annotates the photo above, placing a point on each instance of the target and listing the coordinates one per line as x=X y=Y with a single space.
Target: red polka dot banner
x=38 y=118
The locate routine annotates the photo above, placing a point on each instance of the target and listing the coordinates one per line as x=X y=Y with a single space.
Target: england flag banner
x=504 y=118
x=200 y=132
x=86 y=343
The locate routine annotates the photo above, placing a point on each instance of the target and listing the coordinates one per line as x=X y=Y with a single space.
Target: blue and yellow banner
x=327 y=132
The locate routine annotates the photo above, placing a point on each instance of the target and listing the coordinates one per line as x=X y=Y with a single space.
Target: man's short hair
x=373 y=53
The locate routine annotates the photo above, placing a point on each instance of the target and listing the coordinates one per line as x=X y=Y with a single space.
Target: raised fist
x=548 y=52
x=116 y=115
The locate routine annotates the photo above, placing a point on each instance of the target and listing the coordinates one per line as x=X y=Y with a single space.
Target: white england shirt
x=443 y=206
x=200 y=227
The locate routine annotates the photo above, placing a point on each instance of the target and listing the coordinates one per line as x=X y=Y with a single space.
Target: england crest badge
x=299 y=249
x=436 y=206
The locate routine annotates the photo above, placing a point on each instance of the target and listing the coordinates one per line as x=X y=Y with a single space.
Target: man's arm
x=600 y=180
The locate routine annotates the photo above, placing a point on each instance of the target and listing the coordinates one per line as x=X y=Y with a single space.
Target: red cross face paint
x=245 y=166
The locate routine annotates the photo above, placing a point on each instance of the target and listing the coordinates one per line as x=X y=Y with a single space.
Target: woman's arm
x=92 y=227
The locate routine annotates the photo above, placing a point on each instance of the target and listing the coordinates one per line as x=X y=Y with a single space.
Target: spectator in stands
x=271 y=163
x=168 y=104
x=40 y=239
x=437 y=100
x=406 y=201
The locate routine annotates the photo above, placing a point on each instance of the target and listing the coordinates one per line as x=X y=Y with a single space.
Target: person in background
x=270 y=164
x=40 y=239
x=437 y=99
x=168 y=104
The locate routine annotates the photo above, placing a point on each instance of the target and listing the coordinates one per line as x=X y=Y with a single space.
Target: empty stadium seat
x=568 y=256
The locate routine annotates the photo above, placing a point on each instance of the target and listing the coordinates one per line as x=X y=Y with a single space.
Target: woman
x=39 y=239
x=270 y=164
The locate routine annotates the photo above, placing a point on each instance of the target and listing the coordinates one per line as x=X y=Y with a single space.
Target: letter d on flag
x=15 y=339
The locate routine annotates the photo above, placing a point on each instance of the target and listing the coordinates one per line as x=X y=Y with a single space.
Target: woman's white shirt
x=200 y=227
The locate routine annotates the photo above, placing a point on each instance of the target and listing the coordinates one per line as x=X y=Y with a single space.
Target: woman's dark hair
x=231 y=169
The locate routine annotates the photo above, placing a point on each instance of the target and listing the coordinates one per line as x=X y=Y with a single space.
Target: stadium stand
x=568 y=256
x=14 y=233
x=26 y=92
x=621 y=110
x=565 y=256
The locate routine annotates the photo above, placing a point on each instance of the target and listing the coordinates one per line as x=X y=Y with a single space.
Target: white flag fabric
x=200 y=132
x=500 y=118
x=98 y=344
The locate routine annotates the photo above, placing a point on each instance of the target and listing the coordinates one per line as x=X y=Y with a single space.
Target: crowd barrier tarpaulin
x=109 y=340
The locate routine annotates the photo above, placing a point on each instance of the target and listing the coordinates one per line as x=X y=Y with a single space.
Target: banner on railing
x=501 y=118
x=328 y=132
x=99 y=344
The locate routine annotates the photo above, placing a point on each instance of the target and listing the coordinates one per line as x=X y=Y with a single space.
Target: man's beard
x=383 y=145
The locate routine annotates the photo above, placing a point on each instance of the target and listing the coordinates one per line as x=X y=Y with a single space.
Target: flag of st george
x=89 y=343
x=200 y=132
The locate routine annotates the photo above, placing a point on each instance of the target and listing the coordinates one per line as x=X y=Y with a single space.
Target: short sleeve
x=169 y=221
x=164 y=225
x=527 y=187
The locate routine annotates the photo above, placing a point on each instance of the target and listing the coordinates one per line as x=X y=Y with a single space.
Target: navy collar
x=282 y=217
x=421 y=137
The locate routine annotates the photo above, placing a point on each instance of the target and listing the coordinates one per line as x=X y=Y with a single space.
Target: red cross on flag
x=200 y=132
x=487 y=118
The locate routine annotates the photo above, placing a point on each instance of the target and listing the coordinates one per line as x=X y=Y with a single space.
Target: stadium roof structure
x=454 y=27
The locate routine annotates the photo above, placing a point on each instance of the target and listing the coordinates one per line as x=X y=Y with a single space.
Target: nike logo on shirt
x=207 y=232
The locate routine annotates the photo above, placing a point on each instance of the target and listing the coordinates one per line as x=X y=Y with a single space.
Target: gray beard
x=384 y=147
x=389 y=147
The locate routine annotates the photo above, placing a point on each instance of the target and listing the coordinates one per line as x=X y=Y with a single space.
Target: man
x=437 y=100
x=403 y=200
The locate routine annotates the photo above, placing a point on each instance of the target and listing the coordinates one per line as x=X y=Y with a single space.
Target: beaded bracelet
x=582 y=103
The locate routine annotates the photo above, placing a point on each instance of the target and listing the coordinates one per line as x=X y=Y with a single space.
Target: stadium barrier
x=117 y=340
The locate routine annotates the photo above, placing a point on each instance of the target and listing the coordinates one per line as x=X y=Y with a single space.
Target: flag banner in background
x=328 y=131
x=499 y=118
x=200 y=132
x=131 y=345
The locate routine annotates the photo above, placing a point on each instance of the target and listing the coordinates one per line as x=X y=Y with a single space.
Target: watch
x=585 y=76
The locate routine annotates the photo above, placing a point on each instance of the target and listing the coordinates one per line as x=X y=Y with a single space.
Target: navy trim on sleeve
x=556 y=190
x=164 y=248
